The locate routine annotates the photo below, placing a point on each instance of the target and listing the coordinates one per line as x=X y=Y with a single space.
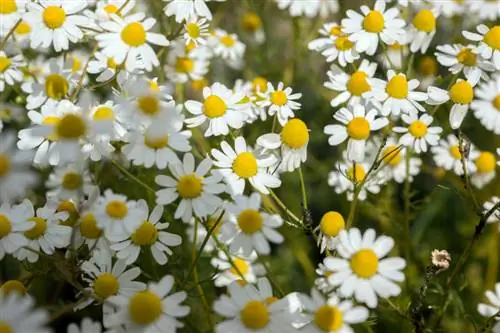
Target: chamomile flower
x=236 y=268
x=309 y=8
x=495 y=217
x=10 y=72
x=22 y=33
x=196 y=31
x=422 y=30
x=353 y=88
x=365 y=29
x=280 y=101
x=184 y=10
x=335 y=45
x=486 y=9
x=361 y=270
x=70 y=181
x=151 y=310
x=418 y=134
x=394 y=159
x=103 y=66
x=220 y=108
x=14 y=221
x=356 y=126
x=19 y=315
x=485 y=169
x=330 y=315
x=10 y=12
x=460 y=58
x=13 y=287
x=104 y=9
x=493 y=306
x=486 y=106
x=228 y=46
x=248 y=228
x=56 y=23
x=321 y=283
x=88 y=232
x=329 y=228
x=292 y=142
x=489 y=42
x=329 y=31
x=150 y=234
x=241 y=164
x=185 y=65
x=86 y=326
x=447 y=155
x=127 y=39
x=252 y=23
x=197 y=191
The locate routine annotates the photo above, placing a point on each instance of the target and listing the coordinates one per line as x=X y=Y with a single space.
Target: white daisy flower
x=328 y=230
x=252 y=23
x=197 y=191
x=245 y=267
x=104 y=9
x=356 y=126
x=422 y=30
x=281 y=101
x=309 y=8
x=19 y=315
x=241 y=164
x=196 y=31
x=11 y=12
x=447 y=155
x=495 y=217
x=185 y=10
x=127 y=39
x=489 y=42
x=353 y=88
x=394 y=158
x=22 y=33
x=70 y=181
x=14 y=221
x=328 y=32
x=185 y=65
x=111 y=112
x=485 y=9
x=486 y=106
x=88 y=232
x=248 y=228
x=335 y=45
x=151 y=310
x=86 y=326
x=10 y=72
x=103 y=66
x=56 y=23
x=493 y=306
x=221 y=108
x=361 y=272
x=462 y=58
x=419 y=134
x=365 y=29
x=485 y=169
x=228 y=46
x=330 y=315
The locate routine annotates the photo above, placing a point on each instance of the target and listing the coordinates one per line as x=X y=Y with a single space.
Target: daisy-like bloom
x=418 y=134
x=365 y=29
x=10 y=12
x=485 y=9
x=151 y=310
x=486 y=106
x=150 y=234
x=334 y=45
x=361 y=270
x=86 y=326
x=46 y=234
x=70 y=181
x=495 y=217
x=10 y=72
x=281 y=101
x=22 y=33
x=103 y=65
x=292 y=140
x=485 y=169
x=13 y=287
x=489 y=42
x=196 y=31
x=353 y=88
x=185 y=10
x=398 y=94
x=228 y=46
x=248 y=228
x=104 y=9
x=330 y=315
x=19 y=315
x=56 y=23
x=220 y=108
x=185 y=65
x=321 y=283
x=394 y=159
x=88 y=232
x=127 y=39
x=241 y=164
x=197 y=190
x=447 y=155
x=236 y=268
x=309 y=8
x=356 y=126
x=329 y=228
x=329 y=31
x=422 y=30
x=252 y=23
x=14 y=221
x=110 y=112
x=460 y=58
x=492 y=307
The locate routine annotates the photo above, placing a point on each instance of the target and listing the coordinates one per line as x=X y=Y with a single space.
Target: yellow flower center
x=51 y=120
x=149 y=105
x=425 y=21
x=4 y=165
x=145 y=307
x=356 y=174
x=198 y=85
x=251 y=22
x=193 y=30
x=335 y=31
x=331 y=224
x=255 y=315
x=358 y=128
x=5 y=327
x=4 y=64
x=106 y=285
x=133 y=34
x=5 y=226
x=342 y=43
x=53 y=17
x=241 y=265
x=227 y=41
x=157 y=142
x=76 y=64
x=68 y=206
x=418 y=129
x=89 y=228
x=23 y=28
x=38 y=230
x=245 y=165
x=259 y=84
x=328 y=318
x=374 y=21
x=364 y=263
x=104 y=113
x=485 y=162
x=117 y=209
x=71 y=126
x=7 y=6
x=492 y=37
x=13 y=286
x=111 y=63
x=56 y=86
x=392 y=155
x=214 y=106
x=461 y=92
x=295 y=133
x=455 y=152
x=496 y=102
x=184 y=65
x=190 y=186
x=279 y=98
x=397 y=87
x=428 y=66
x=72 y=181
x=190 y=46
x=466 y=57
x=111 y=8
x=250 y=221
x=357 y=84
x=146 y=234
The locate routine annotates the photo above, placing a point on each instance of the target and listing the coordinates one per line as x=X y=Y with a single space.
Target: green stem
x=284 y=207
x=131 y=176
x=303 y=188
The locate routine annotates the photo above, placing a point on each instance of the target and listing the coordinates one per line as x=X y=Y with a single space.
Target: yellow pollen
x=335 y=31
x=279 y=98
x=251 y=22
x=374 y=21
x=184 y=65
x=485 y=162
x=227 y=41
x=146 y=234
x=343 y=43
x=23 y=28
x=145 y=307
x=149 y=105
x=5 y=226
x=461 y=92
x=5 y=327
x=245 y=165
x=254 y=315
x=193 y=30
x=72 y=181
x=7 y=6
x=106 y=285
x=111 y=63
x=241 y=265
x=392 y=155
x=295 y=133
x=89 y=228
x=71 y=126
x=356 y=174
x=56 y=86
x=70 y=208
x=358 y=128
x=53 y=17
x=111 y=8
x=418 y=129
x=104 y=113
x=38 y=230
x=156 y=143
x=4 y=64
x=51 y=120
x=259 y=84
x=364 y=263
x=496 y=102
x=397 y=87
x=425 y=21
x=198 y=85
x=466 y=57
x=328 y=318
x=214 y=106
x=492 y=37
x=455 y=152
x=4 y=165
x=13 y=286
x=133 y=34
x=357 y=84
x=428 y=66
x=331 y=223
x=190 y=186
x=250 y=221
x=117 y=209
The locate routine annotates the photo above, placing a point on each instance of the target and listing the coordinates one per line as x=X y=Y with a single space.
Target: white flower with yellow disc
x=236 y=268
x=10 y=72
x=184 y=10
x=328 y=230
x=70 y=181
x=335 y=45
x=19 y=314
x=103 y=66
x=228 y=46
x=418 y=135
x=486 y=106
x=14 y=221
x=280 y=101
x=447 y=155
x=196 y=31
x=489 y=42
x=459 y=58
x=422 y=29
x=185 y=64
x=10 y=12
x=486 y=164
